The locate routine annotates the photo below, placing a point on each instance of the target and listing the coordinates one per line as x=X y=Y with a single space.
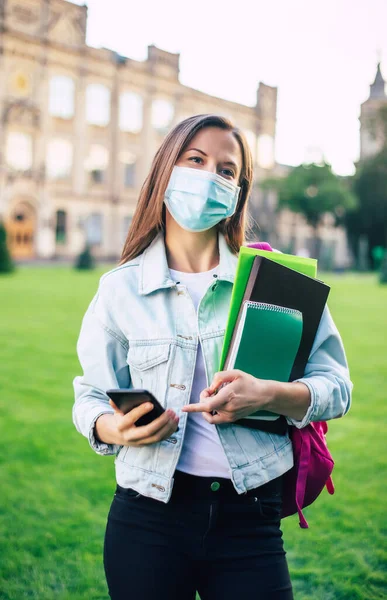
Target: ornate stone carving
x=22 y=16
x=26 y=15
x=20 y=83
x=67 y=27
x=20 y=113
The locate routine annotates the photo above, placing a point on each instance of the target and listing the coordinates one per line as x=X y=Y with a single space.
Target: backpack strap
x=330 y=486
x=261 y=246
x=302 y=476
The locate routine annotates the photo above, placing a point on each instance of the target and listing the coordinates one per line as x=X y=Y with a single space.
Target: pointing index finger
x=199 y=407
x=207 y=406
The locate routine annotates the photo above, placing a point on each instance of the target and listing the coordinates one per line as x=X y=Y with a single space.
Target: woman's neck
x=191 y=252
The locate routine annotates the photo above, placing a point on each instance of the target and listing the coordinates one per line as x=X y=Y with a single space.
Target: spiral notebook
x=265 y=344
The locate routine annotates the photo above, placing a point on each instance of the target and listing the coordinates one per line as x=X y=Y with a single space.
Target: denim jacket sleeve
x=102 y=352
x=326 y=376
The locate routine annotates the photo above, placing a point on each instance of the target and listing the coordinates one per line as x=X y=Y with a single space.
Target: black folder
x=276 y=284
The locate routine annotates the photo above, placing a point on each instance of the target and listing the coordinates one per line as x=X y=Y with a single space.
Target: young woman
x=198 y=498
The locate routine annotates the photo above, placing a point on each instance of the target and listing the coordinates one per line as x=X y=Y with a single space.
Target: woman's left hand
x=240 y=396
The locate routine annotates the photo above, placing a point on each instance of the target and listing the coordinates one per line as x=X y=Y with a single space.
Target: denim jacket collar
x=154 y=271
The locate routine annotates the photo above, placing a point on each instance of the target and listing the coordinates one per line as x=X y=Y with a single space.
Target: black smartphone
x=127 y=399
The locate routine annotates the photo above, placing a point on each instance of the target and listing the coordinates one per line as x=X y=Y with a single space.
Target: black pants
x=221 y=544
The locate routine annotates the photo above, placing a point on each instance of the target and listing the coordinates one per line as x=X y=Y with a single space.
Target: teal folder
x=265 y=344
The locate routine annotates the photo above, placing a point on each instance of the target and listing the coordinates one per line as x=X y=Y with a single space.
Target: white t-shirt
x=202 y=453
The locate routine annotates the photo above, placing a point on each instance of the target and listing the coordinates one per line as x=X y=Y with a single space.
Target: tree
x=370 y=186
x=369 y=220
x=6 y=264
x=313 y=190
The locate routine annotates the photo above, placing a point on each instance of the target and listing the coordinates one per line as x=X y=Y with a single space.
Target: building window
x=94 y=229
x=60 y=233
x=97 y=104
x=59 y=159
x=97 y=163
x=19 y=151
x=61 y=99
x=130 y=175
x=265 y=151
x=131 y=108
x=162 y=114
x=129 y=160
x=126 y=222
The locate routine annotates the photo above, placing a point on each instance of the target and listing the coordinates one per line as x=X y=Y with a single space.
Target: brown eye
x=229 y=173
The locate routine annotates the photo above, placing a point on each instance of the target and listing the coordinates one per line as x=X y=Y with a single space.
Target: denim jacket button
x=179 y=386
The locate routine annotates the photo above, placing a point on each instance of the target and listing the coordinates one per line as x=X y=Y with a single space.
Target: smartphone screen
x=127 y=399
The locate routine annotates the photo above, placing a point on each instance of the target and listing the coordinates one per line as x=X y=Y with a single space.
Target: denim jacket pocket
x=149 y=366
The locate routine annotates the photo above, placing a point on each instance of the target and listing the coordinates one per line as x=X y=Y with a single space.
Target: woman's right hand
x=121 y=429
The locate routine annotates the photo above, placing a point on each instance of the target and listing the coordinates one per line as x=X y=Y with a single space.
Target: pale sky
x=321 y=54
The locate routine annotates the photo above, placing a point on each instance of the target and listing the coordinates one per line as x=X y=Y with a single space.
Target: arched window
x=94 y=229
x=61 y=98
x=59 y=159
x=19 y=151
x=97 y=163
x=97 y=104
x=131 y=109
x=162 y=114
x=129 y=160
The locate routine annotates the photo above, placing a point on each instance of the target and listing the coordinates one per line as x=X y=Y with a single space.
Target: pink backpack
x=313 y=463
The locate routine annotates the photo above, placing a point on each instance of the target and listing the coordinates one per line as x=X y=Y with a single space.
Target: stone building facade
x=79 y=128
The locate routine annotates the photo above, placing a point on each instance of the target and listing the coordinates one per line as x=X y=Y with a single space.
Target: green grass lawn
x=55 y=492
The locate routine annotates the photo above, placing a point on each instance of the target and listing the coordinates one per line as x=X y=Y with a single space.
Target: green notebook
x=307 y=266
x=266 y=344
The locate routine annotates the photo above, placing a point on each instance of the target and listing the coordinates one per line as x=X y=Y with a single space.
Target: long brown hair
x=149 y=216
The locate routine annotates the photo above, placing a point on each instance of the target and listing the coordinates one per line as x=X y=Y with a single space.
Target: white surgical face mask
x=198 y=200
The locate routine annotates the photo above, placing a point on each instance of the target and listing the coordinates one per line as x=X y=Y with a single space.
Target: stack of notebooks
x=276 y=308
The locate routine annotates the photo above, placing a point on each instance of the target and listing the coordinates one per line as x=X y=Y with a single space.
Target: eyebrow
x=226 y=162
x=231 y=162
x=197 y=150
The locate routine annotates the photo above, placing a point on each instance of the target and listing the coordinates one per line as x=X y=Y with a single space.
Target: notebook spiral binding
x=273 y=308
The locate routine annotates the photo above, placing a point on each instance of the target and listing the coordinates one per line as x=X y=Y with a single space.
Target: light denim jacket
x=141 y=330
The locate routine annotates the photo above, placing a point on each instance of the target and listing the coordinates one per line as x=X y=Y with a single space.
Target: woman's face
x=215 y=150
